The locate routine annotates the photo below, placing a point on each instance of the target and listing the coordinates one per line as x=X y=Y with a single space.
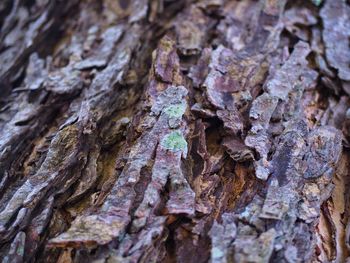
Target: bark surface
x=174 y=131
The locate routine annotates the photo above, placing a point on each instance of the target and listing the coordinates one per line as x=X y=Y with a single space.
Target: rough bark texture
x=174 y=131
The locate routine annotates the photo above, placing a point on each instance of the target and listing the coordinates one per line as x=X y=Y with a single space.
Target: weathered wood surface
x=174 y=131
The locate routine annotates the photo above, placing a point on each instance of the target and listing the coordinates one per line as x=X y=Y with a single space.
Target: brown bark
x=174 y=131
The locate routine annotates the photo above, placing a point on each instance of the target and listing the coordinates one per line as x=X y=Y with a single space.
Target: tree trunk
x=174 y=131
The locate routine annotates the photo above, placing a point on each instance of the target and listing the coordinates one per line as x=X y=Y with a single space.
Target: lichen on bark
x=174 y=131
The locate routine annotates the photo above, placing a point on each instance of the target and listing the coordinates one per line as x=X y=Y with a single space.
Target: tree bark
x=174 y=131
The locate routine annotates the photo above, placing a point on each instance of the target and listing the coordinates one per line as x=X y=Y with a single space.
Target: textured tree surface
x=174 y=131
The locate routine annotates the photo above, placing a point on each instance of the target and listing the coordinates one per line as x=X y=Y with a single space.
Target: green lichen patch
x=175 y=110
x=20 y=250
x=317 y=2
x=174 y=141
x=217 y=253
